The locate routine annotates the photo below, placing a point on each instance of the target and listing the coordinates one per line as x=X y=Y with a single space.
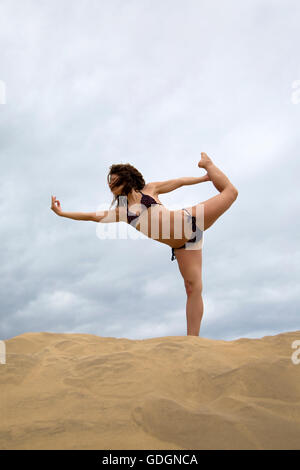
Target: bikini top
x=147 y=201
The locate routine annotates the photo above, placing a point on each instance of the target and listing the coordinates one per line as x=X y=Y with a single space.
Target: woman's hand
x=206 y=177
x=55 y=206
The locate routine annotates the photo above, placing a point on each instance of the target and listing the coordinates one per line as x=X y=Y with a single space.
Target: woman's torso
x=156 y=221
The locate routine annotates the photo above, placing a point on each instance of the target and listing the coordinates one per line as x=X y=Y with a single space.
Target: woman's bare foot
x=218 y=178
x=205 y=161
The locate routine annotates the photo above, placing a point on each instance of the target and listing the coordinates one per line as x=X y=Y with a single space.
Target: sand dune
x=80 y=391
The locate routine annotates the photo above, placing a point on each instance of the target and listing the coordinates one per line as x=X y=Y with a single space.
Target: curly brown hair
x=128 y=176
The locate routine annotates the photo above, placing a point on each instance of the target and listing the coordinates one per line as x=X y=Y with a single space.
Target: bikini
x=147 y=201
x=197 y=240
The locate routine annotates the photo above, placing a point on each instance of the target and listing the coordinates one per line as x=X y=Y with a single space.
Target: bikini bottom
x=194 y=243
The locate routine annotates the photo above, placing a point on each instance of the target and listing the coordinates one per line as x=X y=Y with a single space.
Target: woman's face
x=117 y=190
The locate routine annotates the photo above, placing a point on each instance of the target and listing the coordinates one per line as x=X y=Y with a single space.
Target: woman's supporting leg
x=190 y=267
x=194 y=308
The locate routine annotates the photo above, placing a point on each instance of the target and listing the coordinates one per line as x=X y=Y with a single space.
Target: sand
x=81 y=391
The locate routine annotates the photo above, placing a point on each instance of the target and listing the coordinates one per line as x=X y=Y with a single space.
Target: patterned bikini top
x=147 y=201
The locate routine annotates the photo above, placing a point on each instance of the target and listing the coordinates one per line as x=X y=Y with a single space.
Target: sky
x=85 y=84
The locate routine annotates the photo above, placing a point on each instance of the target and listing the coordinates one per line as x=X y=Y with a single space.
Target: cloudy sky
x=89 y=83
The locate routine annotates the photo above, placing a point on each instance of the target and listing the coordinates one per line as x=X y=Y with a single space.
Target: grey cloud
x=93 y=83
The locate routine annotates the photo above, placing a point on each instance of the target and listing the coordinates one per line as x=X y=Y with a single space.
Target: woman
x=147 y=214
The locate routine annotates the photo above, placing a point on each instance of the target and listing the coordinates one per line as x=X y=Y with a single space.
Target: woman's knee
x=192 y=286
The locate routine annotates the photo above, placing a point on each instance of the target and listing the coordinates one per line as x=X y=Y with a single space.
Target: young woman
x=147 y=214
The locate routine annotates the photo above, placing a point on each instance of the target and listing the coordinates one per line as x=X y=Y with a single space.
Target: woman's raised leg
x=214 y=207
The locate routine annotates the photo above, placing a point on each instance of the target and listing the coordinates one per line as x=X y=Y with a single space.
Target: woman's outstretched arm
x=99 y=216
x=194 y=179
x=161 y=187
